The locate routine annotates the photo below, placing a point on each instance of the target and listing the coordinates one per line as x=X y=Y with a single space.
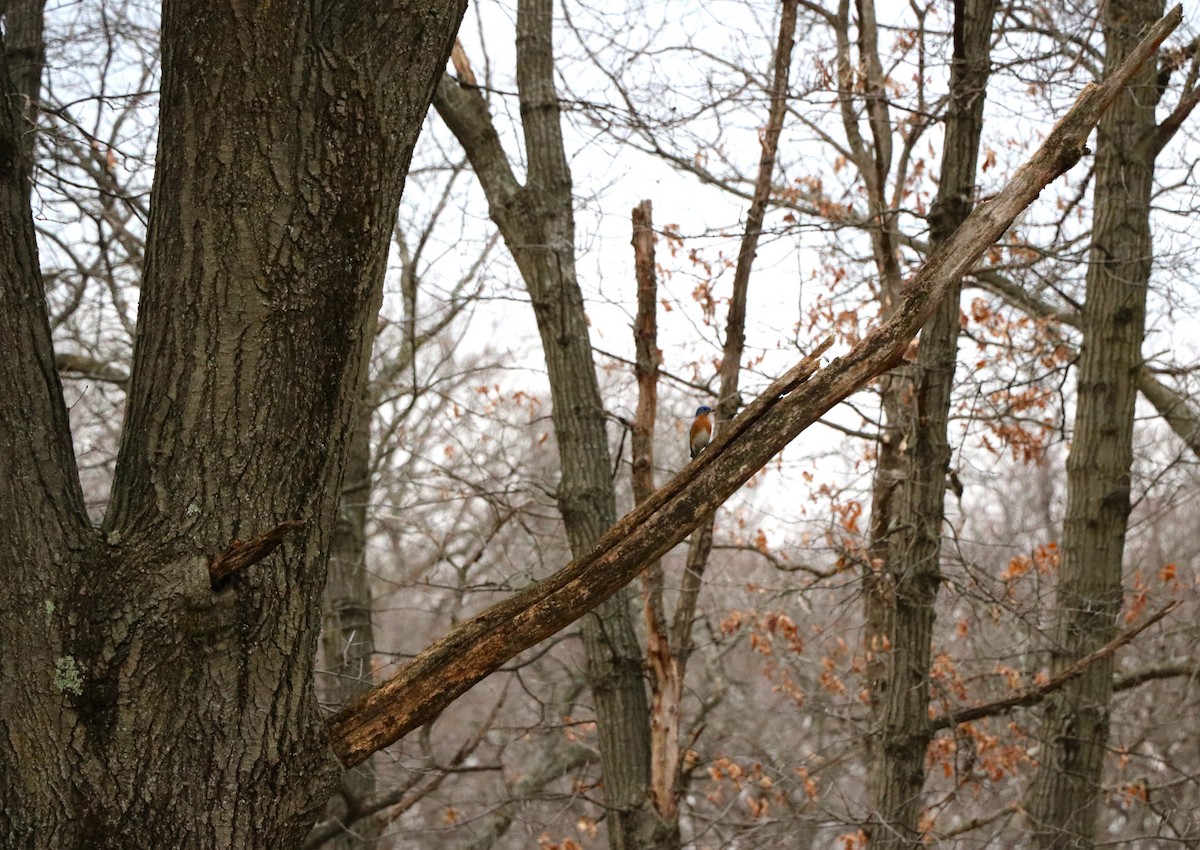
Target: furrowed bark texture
x=874 y=163
x=43 y=521
x=1066 y=788
x=908 y=580
x=140 y=708
x=422 y=690
x=537 y=221
x=25 y=43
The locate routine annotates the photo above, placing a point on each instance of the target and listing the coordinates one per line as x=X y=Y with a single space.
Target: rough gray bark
x=140 y=707
x=907 y=581
x=1066 y=787
x=537 y=221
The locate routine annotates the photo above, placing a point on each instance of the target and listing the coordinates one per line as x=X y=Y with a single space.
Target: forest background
x=943 y=616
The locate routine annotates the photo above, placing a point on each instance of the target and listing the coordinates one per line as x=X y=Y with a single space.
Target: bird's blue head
x=703 y=409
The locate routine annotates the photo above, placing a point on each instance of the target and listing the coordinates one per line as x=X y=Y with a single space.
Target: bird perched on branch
x=702 y=429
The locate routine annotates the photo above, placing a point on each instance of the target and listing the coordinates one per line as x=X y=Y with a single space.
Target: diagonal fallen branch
x=435 y=678
x=1034 y=695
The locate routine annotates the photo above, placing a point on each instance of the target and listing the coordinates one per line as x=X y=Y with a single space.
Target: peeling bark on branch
x=664 y=673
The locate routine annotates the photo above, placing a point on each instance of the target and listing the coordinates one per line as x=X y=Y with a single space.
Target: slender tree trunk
x=900 y=634
x=669 y=647
x=729 y=400
x=1066 y=788
x=141 y=706
x=538 y=225
x=874 y=162
x=891 y=753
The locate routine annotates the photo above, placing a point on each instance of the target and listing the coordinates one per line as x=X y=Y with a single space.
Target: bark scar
x=241 y=554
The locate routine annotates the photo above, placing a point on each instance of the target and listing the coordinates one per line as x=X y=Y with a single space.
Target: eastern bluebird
x=701 y=431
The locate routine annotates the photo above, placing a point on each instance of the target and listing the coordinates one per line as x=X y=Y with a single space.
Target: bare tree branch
x=1032 y=696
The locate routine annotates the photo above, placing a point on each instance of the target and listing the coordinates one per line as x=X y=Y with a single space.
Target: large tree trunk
x=141 y=707
x=538 y=224
x=907 y=582
x=1063 y=796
